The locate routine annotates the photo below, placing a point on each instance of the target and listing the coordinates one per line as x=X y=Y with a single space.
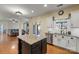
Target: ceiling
x=8 y=11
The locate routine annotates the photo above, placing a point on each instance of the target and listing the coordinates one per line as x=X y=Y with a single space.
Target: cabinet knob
x=55 y=35
x=71 y=37
x=62 y=36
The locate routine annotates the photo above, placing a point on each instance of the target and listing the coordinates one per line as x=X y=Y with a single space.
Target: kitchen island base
x=39 y=47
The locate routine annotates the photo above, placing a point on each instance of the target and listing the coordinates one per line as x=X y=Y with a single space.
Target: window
x=36 y=29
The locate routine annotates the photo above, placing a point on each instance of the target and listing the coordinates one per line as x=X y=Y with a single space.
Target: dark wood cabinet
x=44 y=45
x=39 y=47
x=23 y=47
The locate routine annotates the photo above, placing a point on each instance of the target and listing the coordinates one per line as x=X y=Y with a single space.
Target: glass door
x=1 y=32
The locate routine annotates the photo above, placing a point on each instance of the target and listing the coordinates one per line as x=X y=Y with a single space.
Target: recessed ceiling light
x=14 y=9
x=32 y=11
x=45 y=5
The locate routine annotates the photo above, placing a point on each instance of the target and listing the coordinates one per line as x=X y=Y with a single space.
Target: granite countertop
x=65 y=35
x=30 y=39
x=68 y=35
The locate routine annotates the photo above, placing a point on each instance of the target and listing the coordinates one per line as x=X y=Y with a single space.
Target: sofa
x=14 y=32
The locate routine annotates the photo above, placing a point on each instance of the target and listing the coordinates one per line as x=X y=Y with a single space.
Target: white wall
x=12 y=25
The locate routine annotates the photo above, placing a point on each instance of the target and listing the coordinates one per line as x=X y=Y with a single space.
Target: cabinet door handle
x=68 y=41
x=55 y=35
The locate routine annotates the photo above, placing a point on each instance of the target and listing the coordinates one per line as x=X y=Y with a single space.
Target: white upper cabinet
x=75 y=19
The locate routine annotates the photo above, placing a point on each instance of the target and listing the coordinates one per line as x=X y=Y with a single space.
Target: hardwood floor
x=51 y=49
x=9 y=45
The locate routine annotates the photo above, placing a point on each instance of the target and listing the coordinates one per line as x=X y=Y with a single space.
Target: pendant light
x=60 y=12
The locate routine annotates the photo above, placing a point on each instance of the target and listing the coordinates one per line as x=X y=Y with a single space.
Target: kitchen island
x=29 y=44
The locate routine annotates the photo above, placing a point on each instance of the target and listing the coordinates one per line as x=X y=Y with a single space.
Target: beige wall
x=45 y=19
